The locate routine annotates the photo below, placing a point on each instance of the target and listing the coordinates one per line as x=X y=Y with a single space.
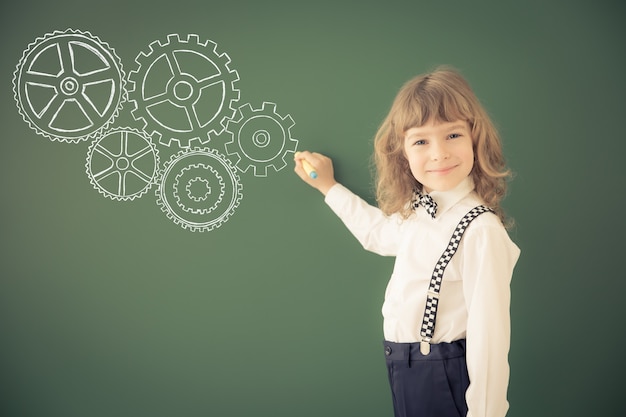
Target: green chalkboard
x=160 y=258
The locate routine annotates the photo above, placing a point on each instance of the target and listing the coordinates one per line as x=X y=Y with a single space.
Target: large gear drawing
x=183 y=90
x=199 y=189
x=123 y=164
x=260 y=138
x=69 y=86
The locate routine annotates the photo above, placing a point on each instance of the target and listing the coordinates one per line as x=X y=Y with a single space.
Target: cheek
x=468 y=152
x=416 y=168
x=470 y=160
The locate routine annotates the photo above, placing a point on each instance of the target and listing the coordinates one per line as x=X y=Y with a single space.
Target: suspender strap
x=432 y=299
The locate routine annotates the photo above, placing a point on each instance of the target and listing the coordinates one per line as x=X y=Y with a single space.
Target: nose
x=439 y=151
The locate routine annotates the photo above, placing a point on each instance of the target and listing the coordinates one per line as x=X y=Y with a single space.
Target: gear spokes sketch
x=69 y=86
x=123 y=164
x=260 y=138
x=199 y=189
x=183 y=90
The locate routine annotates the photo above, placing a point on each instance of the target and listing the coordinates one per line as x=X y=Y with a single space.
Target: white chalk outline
x=122 y=163
x=199 y=219
x=221 y=185
x=69 y=88
x=183 y=91
x=243 y=144
x=259 y=138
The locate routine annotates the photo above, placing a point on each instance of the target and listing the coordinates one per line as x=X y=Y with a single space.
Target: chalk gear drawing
x=69 y=86
x=199 y=189
x=260 y=139
x=183 y=90
x=123 y=164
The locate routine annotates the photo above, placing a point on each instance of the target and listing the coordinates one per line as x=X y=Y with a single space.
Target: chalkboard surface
x=160 y=257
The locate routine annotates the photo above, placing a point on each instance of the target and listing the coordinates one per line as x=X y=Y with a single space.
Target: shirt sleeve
x=375 y=231
x=490 y=257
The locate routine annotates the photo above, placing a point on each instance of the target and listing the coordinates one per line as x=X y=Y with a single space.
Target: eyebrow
x=453 y=127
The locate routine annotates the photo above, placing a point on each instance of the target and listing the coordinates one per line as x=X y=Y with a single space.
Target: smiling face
x=440 y=154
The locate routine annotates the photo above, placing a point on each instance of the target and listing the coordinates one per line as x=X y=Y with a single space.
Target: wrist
x=325 y=188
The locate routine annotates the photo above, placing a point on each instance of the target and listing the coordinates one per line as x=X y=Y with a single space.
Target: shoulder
x=485 y=226
x=487 y=235
x=469 y=203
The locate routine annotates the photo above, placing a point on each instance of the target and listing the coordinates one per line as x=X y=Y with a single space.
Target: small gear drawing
x=195 y=196
x=260 y=139
x=123 y=164
x=199 y=189
x=69 y=86
x=183 y=90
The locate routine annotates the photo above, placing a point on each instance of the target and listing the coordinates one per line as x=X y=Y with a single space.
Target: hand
x=323 y=167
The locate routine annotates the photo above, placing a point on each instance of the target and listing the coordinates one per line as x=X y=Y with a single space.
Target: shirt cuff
x=336 y=196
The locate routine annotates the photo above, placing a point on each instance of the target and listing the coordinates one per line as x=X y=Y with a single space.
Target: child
x=446 y=317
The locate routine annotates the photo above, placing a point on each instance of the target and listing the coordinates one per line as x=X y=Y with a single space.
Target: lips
x=442 y=170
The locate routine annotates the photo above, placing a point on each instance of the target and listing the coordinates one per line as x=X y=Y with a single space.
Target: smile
x=441 y=171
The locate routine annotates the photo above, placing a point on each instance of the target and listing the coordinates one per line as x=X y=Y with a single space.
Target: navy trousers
x=427 y=386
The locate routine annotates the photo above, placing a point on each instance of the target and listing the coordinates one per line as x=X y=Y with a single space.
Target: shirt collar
x=447 y=199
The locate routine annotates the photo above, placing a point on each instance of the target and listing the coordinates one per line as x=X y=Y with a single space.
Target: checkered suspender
x=432 y=300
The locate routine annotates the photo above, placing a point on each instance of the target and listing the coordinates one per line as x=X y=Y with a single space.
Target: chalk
x=308 y=168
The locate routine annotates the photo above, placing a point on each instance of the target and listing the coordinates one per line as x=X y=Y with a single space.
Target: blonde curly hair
x=443 y=96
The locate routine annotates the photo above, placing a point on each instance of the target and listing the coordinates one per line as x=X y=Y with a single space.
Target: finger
x=315 y=159
x=302 y=155
x=299 y=170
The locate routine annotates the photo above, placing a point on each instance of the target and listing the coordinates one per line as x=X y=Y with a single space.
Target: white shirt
x=474 y=301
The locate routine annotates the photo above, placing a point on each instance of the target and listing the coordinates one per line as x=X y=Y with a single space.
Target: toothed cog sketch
x=260 y=138
x=183 y=90
x=199 y=189
x=123 y=164
x=69 y=85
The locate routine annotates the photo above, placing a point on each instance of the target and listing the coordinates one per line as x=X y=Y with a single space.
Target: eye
x=420 y=142
x=454 y=135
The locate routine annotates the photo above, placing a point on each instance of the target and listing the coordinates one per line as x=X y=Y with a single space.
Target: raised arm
x=375 y=231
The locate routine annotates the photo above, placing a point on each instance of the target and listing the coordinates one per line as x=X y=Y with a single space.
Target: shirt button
x=387 y=350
